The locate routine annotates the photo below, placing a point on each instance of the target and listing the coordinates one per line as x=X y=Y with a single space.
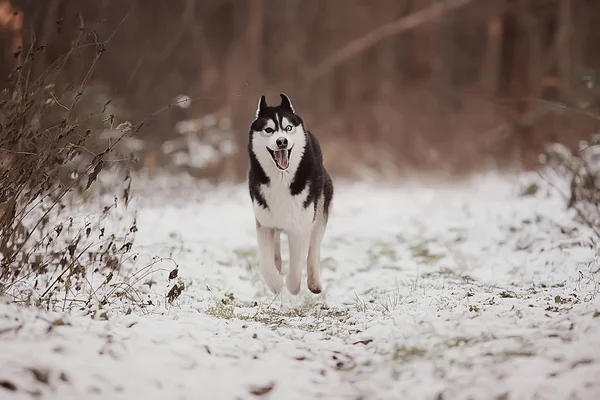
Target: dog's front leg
x=266 y=257
x=299 y=243
x=278 y=251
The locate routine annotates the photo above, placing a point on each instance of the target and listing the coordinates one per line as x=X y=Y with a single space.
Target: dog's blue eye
x=269 y=130
x=288 y=128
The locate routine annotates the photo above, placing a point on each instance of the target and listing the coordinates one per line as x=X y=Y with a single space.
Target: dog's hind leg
x=266 y=257
x=278 y=251
x=299 y=242
x=314 y=254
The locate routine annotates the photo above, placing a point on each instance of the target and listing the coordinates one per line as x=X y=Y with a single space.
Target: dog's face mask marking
x=277 y=134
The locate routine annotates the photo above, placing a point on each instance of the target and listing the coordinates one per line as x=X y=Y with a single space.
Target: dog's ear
x=286 y=103
x=262 y=104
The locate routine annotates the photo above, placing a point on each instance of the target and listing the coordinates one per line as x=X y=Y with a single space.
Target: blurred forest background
x=394 y=85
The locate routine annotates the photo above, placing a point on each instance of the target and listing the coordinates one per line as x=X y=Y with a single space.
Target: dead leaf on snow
x=262 y=390
x=364 y=341
x=41 y=375
x=8 y=385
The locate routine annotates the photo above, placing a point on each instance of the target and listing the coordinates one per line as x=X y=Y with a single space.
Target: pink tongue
x=281 y=156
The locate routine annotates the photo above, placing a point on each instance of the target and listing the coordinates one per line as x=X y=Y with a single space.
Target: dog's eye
x=288 y=128
x=269 y=130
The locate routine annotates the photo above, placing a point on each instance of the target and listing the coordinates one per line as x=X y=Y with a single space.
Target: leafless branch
x=404 y=24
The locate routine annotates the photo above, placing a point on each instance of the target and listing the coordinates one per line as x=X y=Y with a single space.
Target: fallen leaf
x=364 y=341
x=8 y=386
x=40 y=375
x=262 y=390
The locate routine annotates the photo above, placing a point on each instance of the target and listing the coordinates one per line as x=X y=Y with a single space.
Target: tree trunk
x=565 y=59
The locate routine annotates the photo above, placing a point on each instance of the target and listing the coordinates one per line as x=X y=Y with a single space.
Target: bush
x=51 y=156
x=576 y=174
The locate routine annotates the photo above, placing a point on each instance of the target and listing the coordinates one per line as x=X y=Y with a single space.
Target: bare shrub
x=575 y=172
x=51 y=155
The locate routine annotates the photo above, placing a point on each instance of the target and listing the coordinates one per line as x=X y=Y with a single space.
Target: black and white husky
x=291 y=192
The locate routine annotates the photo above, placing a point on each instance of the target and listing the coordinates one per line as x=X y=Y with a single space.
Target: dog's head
x=277 y=136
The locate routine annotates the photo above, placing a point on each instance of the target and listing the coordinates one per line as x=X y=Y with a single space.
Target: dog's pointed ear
x=286 y=103
x=262 y=104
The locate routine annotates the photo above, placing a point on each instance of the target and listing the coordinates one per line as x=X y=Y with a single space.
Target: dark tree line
x=438 y=86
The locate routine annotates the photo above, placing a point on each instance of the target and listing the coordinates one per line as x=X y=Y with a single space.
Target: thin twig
x=27 y=153
x=68 y=268
x=58 y=102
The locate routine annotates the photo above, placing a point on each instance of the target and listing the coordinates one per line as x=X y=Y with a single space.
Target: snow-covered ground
x=463 y=291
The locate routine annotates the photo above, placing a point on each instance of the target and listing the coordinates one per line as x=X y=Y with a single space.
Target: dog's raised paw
x=315 y=287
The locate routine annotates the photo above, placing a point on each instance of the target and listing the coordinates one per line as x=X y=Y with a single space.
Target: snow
x=446 y=291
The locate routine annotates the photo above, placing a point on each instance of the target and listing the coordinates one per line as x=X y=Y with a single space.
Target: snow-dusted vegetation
x=479 y=289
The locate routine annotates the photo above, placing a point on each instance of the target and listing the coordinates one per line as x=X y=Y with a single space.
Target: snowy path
x=430 y=293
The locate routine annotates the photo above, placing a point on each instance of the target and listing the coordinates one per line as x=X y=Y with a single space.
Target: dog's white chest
x=285 y=212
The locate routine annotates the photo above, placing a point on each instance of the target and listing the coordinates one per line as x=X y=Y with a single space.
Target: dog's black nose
x=282 y=142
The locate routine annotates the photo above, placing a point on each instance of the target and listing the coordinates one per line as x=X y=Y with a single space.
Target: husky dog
x=291 y=192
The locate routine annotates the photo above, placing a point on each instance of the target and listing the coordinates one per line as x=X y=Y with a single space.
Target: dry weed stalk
x=50 y=159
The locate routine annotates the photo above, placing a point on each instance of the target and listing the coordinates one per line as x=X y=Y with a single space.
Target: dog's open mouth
x=281 y=158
